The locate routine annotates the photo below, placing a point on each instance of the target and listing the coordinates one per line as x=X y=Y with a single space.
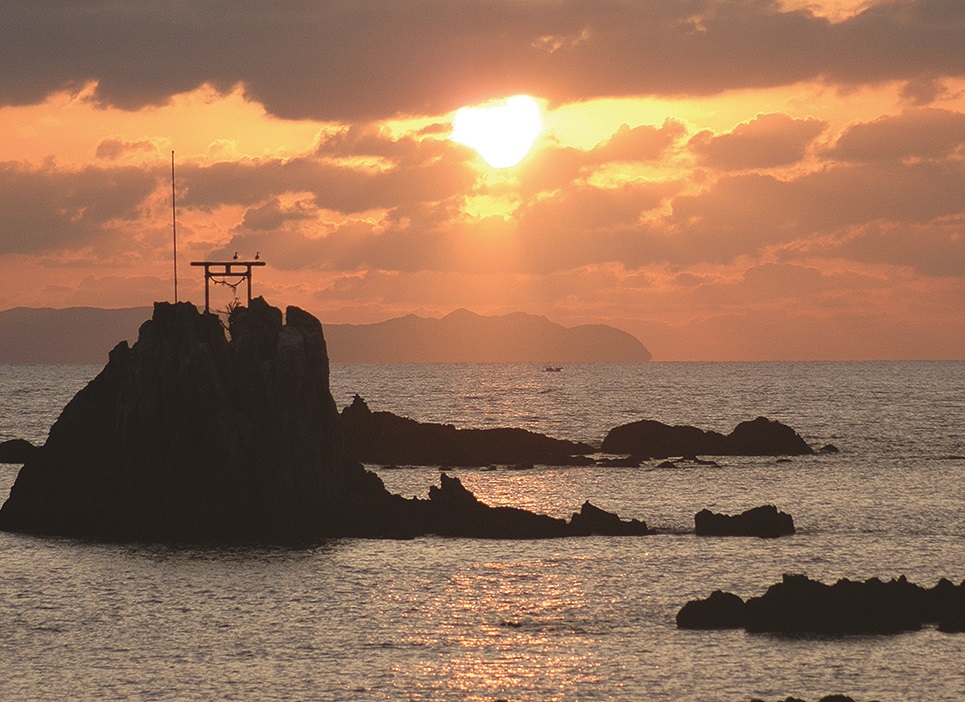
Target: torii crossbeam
x=240 y=270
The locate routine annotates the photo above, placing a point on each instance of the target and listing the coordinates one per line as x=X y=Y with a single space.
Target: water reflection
x=503 y=627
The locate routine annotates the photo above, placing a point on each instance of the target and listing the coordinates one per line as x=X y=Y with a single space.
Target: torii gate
x=241 y=270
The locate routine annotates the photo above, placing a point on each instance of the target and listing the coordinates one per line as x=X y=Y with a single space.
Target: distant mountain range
x=87 y=334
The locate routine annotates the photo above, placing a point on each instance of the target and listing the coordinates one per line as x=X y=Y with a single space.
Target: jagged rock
x=383 y=437
x=455 y=511
x=452 y=510
x=187 y=435
x=593 y=520
x=800 y=605
x=16 y=451
x=760 y=437
x=764 y=521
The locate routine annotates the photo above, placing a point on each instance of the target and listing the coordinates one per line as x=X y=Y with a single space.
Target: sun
x=501 y=131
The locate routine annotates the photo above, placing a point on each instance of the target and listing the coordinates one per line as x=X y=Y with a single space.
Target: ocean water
x=568 y=619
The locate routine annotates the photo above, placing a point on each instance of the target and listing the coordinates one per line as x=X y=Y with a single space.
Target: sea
x=582 y=618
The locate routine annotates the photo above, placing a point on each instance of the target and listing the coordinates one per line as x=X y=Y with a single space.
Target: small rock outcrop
x=593 y=520
x=722 y=610
x=799 y=605
x=455 y=511
x=764 y=521
x=759 y=437
x=16 y=451
x=452 y=510
x=383 y=437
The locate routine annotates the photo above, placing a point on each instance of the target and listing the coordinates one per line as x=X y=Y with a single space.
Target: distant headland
x=83 y=334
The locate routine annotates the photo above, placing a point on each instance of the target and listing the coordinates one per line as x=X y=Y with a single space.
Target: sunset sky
x=726 y=180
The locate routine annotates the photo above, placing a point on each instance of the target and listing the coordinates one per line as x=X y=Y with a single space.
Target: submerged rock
x=383 y=437
x=760 y=437
x=764 y=521
x=799 y=605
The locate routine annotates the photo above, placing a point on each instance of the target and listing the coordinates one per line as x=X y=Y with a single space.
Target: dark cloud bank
x=346 y=61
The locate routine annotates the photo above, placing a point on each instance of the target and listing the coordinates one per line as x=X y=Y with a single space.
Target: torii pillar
x=240 y=270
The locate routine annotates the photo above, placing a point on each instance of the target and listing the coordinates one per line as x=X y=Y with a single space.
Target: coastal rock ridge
x=189 y=435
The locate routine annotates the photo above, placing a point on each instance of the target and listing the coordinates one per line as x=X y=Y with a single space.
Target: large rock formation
x=798 y=605
x=651 y=439
x=190 y=436
x=383 y=437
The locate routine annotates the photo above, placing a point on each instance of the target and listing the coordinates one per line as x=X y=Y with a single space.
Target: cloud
x=418 y=174
x=353 y=60
x=113 y=149
x=935 y=250
x=748 y=213
x=923 y=133
x=47 y=209
x=641 y=143
x=924 y=90
x=767 y=141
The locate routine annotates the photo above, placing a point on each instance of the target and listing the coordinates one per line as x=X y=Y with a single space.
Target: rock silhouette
x=722 y=610
x=764 y=521
x=452 y=510
x=16 y=451
x=383 y=437
x=799 y=605
x=593 y=520
x=190 y=436
x=651 y=439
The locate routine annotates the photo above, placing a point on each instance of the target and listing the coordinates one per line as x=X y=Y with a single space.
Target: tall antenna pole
x=174 y=228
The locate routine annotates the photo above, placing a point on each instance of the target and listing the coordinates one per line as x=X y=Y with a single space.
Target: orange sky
x=726 y=180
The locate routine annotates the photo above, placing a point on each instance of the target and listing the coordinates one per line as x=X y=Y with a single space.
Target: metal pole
x=174 y=228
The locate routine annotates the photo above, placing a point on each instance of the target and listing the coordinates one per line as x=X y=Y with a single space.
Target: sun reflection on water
x=507 y=626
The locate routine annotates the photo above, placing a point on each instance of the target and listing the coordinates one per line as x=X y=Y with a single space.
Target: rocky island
x=189 y=435
x=386 y=438
x=651 y=439
x=799 y=605
x=383 y=437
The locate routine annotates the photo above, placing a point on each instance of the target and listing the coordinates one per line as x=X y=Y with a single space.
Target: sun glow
x=501 y=131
